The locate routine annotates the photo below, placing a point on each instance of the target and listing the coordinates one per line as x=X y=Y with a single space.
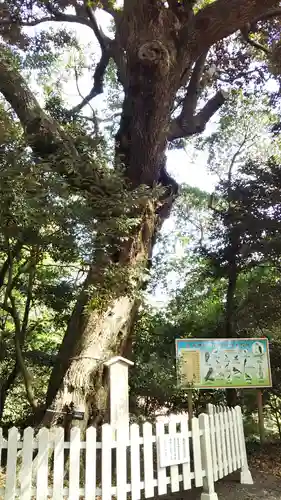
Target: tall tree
x=165 y=54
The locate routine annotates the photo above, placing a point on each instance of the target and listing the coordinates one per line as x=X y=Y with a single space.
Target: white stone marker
x=119 y=391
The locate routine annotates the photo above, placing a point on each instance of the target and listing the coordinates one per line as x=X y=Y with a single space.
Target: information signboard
x=223 y=363
x=173 y=449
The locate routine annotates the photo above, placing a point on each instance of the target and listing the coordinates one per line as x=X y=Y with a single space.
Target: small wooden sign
x=78 y=415
x=173 y=449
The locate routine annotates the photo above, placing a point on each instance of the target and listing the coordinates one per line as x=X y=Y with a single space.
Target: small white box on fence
x=173 y=449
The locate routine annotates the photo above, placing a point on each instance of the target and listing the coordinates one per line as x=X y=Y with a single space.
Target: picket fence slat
x=42 y=467
x=26 y=466
x=135 y=462
x=232 y=443
x=174 y=469
x=90 y=472
x=186 y=468
x=208 y=481
x=240 y=437
x=11 y=464
x=228 y=446
x=161 y=471
x=236 y=443
x=219 y=445
x=244 y=460
x=106 y=477
x=74 y=464
x=58 y=464
x=223 y=442
x=213 y=445
x=121 y=460
x=197 y=461
x=148 y=460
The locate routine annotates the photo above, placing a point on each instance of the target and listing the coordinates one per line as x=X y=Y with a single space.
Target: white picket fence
x=228 y=443
x=114 y=466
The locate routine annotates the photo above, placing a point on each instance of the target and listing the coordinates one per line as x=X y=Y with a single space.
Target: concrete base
x=209 y=496
x=246 y=477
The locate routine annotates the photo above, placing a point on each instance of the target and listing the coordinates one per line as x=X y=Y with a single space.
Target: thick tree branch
x=49 y=19
x=211 y=107
x=101 y=37
x=86 y=16
x=68 y=18
x=98 y=82
x=191 y=97
x=198 y=122
x=269 y=14
x=5 y=267
x=111 y=50
x=219 y=20
x=9 y=285
x=20 y=364
x=93 y=119
x=54 y=16
x=246 y=36
x=19 y=357
x=31 y=277
x=35 y=22
x=107 y=7
x=257 y=45
x=119 y=58
x=20 y=334
x=43 y=134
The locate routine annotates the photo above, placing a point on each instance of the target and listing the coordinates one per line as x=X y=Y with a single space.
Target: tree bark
x=6 y=386
x=230 y=302
x=93 y=336
x=99 y=329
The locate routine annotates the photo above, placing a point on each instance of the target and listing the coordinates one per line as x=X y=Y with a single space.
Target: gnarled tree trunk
x=97 y=332
x=93 y=336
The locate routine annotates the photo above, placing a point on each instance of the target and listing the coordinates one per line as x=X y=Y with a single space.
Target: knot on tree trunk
x=155 y=53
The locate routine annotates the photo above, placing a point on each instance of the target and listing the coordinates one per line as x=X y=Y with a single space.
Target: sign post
x=260 y=414
x=190 y=407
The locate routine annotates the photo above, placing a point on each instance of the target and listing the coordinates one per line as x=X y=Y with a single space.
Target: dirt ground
x=266 y=486
x=265 y=466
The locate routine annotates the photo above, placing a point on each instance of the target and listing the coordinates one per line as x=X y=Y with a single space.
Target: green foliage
x=240 y=223
x=48 y=234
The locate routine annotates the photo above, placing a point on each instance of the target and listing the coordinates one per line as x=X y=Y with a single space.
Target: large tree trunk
x=95 y=333
x=99 y=328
